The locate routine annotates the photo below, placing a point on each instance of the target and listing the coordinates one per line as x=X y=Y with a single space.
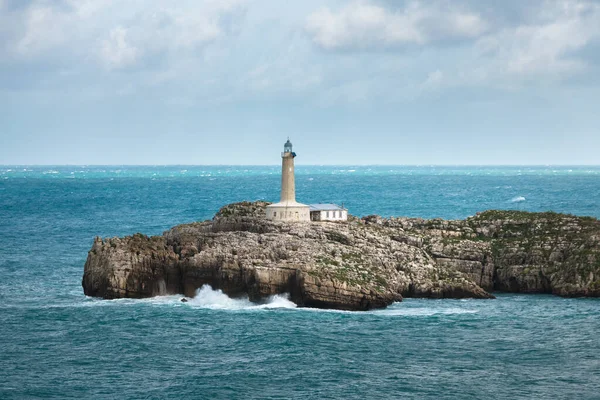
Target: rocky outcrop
x=356 y=265
x=515 y=251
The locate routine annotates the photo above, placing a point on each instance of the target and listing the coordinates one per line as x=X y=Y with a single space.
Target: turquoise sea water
x=56 y=343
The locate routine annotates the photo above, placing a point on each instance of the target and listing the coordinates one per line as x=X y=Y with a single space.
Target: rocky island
x=359 y=264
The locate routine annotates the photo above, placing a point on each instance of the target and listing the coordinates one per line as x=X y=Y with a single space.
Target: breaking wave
x=517 y=199
x=207 y=297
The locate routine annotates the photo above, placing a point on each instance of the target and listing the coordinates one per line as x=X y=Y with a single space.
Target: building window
x=327 y=214
x=274 y=214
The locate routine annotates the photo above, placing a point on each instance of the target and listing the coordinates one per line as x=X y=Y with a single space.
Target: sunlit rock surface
x=356 y=265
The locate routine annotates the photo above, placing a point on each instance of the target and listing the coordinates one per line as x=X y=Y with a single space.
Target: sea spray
x=162 y=287
x=207 y=297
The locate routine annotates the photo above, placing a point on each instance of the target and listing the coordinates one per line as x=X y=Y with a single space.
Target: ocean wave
x=87 y=301
x=99 y=172
x=517 y=199
x=207 y=297
x=422 y=312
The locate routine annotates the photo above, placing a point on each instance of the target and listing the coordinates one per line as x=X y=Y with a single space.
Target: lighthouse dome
x=287 y=147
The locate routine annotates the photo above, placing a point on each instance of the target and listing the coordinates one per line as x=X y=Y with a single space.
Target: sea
x=57 y=343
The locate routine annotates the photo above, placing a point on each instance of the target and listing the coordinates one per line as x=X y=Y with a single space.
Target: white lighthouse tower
x=288 y=209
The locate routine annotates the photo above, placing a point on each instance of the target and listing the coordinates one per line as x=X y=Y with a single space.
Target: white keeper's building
x=327 y=212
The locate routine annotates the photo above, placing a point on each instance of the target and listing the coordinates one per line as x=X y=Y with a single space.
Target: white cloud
x=118 y=32
x=544 y=46
x=365 y=26
x=434 y=80
x=225 y=51
x=116 y=52
x=549 y=39
x=44 y=29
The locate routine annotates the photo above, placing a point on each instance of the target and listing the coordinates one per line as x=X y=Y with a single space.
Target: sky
x=399 y=82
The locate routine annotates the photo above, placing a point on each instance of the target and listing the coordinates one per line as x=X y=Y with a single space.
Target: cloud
x=117 y=34
x=161 y=33
x=547 y=44
x=116 y=52
x=368 y=26
x=329 y=53
x=469 y=42
x=434 y=79
x=43 y=31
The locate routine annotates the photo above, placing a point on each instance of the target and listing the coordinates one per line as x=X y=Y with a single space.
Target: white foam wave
x=207 y=297
x=422 y=312
x=517 y=199
x=172 y=299
x=97 y=302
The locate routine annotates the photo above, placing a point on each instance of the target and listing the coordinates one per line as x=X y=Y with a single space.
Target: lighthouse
x=288 y=209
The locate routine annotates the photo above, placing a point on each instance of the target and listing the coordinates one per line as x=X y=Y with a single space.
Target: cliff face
x=358 y=265
x=516 y=251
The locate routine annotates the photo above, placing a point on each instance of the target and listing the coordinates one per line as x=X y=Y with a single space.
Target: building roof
x=325 y=207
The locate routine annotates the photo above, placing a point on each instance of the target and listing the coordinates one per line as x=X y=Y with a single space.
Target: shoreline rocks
x=356 y=265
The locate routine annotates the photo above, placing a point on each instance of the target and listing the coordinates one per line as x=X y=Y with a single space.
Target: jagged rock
x=516 y=251
x=357 y=265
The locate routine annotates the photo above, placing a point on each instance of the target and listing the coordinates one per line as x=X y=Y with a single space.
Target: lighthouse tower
x=288 y=209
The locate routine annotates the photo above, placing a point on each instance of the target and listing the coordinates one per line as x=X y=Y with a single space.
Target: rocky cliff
x=355 y=265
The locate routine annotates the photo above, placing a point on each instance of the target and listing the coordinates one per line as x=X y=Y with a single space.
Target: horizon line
x=301 y=165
